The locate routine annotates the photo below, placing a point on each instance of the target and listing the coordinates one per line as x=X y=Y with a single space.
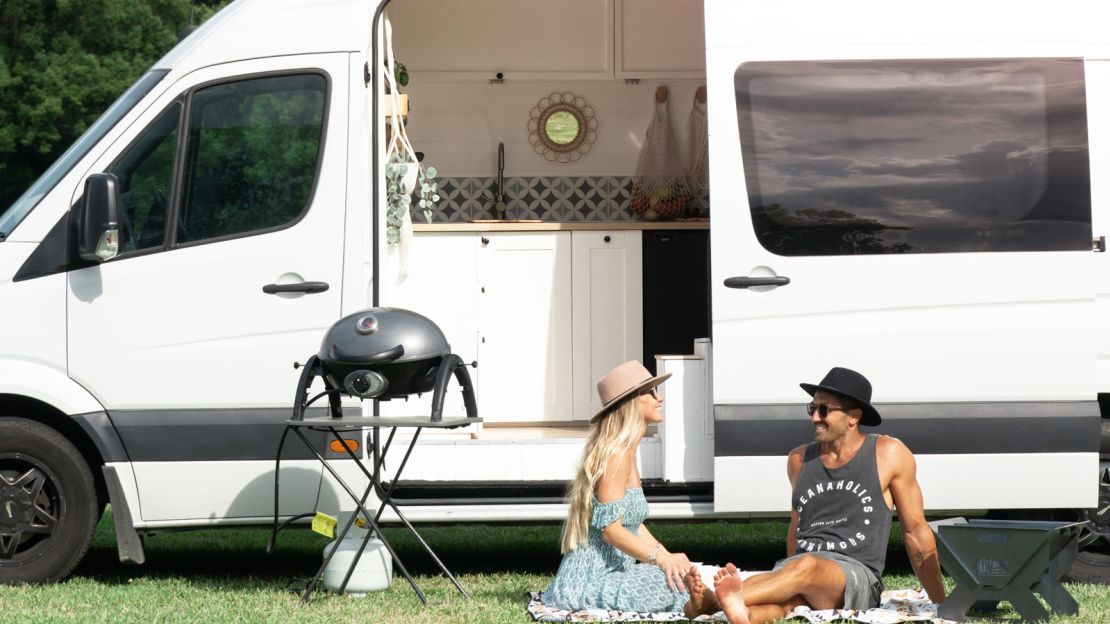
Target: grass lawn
x=225 y=576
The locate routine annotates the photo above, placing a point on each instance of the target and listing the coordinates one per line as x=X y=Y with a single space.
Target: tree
x=62 y=62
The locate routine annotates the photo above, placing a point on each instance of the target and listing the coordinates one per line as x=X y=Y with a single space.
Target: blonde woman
x=604 y=536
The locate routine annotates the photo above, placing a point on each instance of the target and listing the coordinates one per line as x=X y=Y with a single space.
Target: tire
x=1090 y=567
x=48 y=503
x=1093 y=563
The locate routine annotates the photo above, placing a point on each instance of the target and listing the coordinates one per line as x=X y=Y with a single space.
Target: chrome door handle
x=301 y=287
x=748 y=282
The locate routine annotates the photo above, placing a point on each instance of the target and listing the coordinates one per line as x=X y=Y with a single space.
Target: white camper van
x=910 y=196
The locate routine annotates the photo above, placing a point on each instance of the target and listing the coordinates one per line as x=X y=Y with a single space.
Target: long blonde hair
x=618 y=431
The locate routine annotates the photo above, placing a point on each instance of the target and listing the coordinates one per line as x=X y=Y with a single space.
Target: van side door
x=233 y=191
x=928 y=224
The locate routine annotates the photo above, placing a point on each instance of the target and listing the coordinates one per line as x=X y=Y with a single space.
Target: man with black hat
x=844 y=486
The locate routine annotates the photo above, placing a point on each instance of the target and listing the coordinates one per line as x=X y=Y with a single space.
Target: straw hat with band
x=623 y=381
x=848 y=383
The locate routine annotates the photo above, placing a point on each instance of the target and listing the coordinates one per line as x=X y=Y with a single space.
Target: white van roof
x=248 y=29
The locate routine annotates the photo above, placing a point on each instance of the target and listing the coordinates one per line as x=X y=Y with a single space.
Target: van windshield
x=26 y=202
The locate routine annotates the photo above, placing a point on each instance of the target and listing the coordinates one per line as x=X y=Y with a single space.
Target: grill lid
x=383 y=335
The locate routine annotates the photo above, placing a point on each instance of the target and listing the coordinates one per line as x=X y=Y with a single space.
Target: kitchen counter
x=554 y=226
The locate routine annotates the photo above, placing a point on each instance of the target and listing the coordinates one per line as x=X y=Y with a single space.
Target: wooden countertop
x=553 y=226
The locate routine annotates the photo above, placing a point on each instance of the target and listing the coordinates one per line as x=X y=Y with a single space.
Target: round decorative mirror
x=562 y=127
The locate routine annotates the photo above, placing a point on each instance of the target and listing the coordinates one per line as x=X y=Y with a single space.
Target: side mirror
x=98 y=220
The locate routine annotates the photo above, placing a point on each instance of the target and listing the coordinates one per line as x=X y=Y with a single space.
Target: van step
x=532 y=492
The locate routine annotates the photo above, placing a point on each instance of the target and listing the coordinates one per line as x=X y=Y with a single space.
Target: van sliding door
x=928 y=224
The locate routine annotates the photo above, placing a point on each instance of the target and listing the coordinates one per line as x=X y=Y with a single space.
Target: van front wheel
x=1093 y=563
x=48 y=503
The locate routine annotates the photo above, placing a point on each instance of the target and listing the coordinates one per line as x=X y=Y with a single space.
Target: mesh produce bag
x=699 y=144
x=660 y=187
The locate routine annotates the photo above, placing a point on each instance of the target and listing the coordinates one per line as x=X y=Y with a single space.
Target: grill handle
x=336 y=355
x=452 y=363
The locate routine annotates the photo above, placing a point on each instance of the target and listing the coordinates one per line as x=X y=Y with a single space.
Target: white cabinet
x=535 y=40
x=660 y=39
x=441 y=284
x=546 y=314
x=564 y=39
x=524 y=350
x=607 y=317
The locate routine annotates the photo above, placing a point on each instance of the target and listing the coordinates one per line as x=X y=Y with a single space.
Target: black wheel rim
x=31 y=506
x=1094 y=537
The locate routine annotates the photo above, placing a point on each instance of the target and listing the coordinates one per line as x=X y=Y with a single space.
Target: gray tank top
x=842 y=509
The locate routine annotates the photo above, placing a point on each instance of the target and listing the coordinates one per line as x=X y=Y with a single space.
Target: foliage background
x=62 y=62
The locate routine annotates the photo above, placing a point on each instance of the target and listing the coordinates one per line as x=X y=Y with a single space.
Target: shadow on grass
x=211 y=557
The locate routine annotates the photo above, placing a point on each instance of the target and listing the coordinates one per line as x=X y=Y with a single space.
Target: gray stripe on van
x=956 y=428
x=212 y=434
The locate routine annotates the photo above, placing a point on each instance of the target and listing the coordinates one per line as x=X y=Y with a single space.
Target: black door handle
x=748 y=282
x=302 y=287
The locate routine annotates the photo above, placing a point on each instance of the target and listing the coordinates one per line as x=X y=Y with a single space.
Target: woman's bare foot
x=730 y=594
x=702 y=599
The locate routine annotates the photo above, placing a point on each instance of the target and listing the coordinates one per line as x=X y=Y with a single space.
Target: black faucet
x=499 y=198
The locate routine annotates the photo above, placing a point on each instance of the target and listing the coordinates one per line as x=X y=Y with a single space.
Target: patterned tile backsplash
x=594 y=198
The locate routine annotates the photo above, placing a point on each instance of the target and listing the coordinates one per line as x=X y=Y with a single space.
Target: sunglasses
x=654 y=392
x=823 y=409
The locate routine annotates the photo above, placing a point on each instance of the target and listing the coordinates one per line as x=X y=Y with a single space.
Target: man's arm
x=793 y=468
x=921 y=546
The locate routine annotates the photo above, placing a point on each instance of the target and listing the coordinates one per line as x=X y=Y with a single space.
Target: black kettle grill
x=383 y=354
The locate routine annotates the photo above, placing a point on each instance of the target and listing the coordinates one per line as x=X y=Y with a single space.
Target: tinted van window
x=252 y=155
x=929 y=156
x=145 y=173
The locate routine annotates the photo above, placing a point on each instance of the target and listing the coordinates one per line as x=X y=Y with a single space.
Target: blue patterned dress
x=597 y=575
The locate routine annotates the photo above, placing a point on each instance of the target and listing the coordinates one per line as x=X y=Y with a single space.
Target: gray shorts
x=861 y=589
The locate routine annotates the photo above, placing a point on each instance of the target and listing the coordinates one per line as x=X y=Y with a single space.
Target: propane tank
x=373 y=571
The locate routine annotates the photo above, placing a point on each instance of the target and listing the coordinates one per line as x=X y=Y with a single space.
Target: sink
x=504 y=221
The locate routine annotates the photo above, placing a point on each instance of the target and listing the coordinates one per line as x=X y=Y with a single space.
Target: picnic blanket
x=899 y=605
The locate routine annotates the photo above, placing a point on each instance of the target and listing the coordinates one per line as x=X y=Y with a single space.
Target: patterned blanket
x=899 y=605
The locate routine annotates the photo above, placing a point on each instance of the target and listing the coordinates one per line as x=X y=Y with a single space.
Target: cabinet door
x=608 y=309
x=566 y=39
x=660 y=39
x=525 y=338
x=441 y=284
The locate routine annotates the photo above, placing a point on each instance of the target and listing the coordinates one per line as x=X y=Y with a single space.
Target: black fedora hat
x=848 y=383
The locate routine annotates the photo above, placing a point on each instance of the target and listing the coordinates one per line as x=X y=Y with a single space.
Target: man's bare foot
x=730 y=594
x=702 y=599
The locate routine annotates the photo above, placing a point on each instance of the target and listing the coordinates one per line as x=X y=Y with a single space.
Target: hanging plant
x=429 y=192
x=404 y=175
x=397 y=199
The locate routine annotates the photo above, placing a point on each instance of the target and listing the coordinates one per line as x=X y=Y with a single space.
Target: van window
x=252 y=155
x=927 y=156
x=145 y=173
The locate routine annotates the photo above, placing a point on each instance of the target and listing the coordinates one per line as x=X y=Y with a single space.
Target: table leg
x=428 y=549
x=1055 y=594
x=1026 y=604
x=387 y=499
x=397 y=475
x=965 y=594
x=1059 y=600
x=957 y=603
x=373 y=524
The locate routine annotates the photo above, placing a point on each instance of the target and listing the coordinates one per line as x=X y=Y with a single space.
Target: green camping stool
x=1011 y=560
